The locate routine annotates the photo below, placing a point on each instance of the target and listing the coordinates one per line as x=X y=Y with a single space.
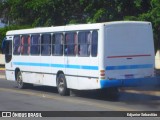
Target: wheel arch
x=16 y=71
x=59 y=72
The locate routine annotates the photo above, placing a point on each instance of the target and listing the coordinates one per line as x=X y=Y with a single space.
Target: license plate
x=129 y=76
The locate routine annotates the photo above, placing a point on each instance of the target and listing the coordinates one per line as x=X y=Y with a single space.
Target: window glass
x=35 y=44
x=84 y=40
x=94 y=45
x=16 y=45
x=46 y=44
x=25 y=44
x=57 y=44
x=70 y=44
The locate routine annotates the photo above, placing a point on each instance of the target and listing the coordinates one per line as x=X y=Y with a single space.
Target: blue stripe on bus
x=125 y=67
x=57 y=65
x=122 y=67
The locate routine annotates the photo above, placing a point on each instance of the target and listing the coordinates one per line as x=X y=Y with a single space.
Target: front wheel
x=19 y=81
x=62 y=85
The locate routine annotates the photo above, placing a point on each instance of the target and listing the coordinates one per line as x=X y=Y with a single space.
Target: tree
x=61 y=12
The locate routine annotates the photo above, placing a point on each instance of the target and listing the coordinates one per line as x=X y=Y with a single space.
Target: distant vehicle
x=81 y=57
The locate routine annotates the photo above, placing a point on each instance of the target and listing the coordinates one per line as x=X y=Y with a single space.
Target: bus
x=93 y=56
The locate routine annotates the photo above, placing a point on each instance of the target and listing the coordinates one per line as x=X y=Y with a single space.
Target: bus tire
x=19 y=81
x=62 y=85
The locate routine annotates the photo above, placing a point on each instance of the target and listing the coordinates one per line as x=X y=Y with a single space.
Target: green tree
x=60 y=12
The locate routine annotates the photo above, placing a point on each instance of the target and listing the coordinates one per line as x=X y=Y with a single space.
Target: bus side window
x=70 y=44
x=35 y=45
x=57 y=44
x=84 y=39
x=46 y=44
x=24 y=44
x=16 y=45
x=94 y=45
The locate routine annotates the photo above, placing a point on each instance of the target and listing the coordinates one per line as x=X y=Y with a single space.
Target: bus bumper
x=152 y=81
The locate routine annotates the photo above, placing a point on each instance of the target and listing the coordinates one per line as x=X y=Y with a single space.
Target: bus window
x=57 y=44
x=46 y=44
x=16 y=45
x=84 y=40
x=35 y=45
x=94 y=44
x=70 y=44
x=25 y=45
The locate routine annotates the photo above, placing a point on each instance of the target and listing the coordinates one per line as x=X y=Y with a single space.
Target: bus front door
x=7 y=50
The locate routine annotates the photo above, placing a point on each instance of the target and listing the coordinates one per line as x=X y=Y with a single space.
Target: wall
x=2 y=62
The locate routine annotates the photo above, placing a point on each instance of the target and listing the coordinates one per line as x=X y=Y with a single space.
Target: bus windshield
x=3 y=45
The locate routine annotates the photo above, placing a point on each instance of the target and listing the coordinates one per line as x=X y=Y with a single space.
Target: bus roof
x=71 y=27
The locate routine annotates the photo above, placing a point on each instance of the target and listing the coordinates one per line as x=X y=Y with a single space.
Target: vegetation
x=34 y=13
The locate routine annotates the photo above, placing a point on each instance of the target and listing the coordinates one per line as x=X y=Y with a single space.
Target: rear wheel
x=62 y=85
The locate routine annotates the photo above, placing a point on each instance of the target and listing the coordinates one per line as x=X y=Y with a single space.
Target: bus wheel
x=19 y=81
x=62 y=85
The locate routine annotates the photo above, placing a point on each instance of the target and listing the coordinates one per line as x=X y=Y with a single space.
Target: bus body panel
x=129 y=53
x=125 y=53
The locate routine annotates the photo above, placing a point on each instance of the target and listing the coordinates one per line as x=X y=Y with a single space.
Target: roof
x=69 y=27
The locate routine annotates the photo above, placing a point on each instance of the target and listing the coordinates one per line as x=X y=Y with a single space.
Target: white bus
x=81 y=57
